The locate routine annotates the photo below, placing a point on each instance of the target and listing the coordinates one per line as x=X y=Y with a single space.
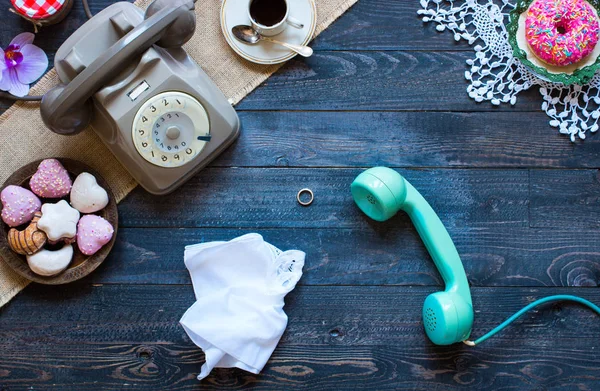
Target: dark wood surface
x=520 y=201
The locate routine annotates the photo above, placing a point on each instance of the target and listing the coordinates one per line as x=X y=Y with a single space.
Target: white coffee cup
x=277 y=28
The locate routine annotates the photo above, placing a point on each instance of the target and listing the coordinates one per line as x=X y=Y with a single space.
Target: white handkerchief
x=238 y=317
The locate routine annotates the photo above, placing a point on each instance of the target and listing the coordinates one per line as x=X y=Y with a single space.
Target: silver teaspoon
x=248 y=35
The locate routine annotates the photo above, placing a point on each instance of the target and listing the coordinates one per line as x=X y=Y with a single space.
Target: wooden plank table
x=521 y=202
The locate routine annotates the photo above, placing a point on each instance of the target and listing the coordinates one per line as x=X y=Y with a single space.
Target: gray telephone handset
x=151 y=104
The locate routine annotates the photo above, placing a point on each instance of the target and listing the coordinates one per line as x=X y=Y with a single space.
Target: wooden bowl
x=81 y=265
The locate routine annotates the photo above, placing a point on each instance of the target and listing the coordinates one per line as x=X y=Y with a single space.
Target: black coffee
x=268 y=12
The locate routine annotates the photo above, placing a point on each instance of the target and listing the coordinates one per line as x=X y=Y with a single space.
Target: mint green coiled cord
x=536 y=303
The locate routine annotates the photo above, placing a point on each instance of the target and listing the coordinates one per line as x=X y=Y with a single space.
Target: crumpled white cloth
x=238 y=317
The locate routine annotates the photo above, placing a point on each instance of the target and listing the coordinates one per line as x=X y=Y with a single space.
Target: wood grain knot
x=557 y=308
x=462 y=363
x=542 y=371
x=465 y=378
x=576 y=269
x=294 y=370
x=144 y=353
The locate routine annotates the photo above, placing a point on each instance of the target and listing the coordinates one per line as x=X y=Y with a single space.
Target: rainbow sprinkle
x=561 y=32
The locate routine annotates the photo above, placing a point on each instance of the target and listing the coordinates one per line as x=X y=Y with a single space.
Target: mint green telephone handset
x=380 y=193
x=448 y=316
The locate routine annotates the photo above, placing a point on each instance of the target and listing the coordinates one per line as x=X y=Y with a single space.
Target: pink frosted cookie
x=561 y=32
x=18 y=205
x=51 y=180
x=93 y=232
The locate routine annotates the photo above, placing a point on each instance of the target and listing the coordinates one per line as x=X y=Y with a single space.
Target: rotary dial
x=171 y=129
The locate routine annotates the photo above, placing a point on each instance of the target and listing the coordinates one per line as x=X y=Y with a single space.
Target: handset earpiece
x=380 y=193
x=66 y=110
x=182 y=29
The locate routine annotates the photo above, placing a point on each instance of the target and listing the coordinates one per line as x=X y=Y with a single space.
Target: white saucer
x=235 y=12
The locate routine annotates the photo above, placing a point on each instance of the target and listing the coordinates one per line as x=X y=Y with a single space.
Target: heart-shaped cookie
x=51 y=180
x=93 y=232
x=59 y=221
x=18 y=205
x=87 y=196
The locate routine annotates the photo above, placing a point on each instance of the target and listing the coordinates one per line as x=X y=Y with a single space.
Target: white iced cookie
x=87 y=196
x=50 y=263
x=59 y=221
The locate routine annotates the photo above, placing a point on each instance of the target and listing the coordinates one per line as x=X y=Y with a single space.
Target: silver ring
x=310 y=200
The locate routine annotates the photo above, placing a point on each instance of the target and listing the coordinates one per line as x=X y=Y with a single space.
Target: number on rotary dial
x=171 y=129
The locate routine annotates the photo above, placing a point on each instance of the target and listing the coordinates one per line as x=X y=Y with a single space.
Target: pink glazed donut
x=561 y=32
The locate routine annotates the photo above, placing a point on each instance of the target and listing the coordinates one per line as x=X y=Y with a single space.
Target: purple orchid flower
x=23 y=64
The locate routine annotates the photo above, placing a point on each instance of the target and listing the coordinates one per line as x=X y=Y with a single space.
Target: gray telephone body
x=161 y=115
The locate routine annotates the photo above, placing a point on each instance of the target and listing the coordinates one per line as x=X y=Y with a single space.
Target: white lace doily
x=496 y=76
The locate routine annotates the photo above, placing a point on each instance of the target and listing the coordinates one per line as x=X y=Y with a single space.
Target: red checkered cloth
x=38 y=9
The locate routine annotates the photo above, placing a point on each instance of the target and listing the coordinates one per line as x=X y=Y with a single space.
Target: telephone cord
x=86 y=9
x=536 y=303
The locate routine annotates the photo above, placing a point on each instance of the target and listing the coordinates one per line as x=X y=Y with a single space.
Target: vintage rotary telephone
x=125 y=72
x=380 y=193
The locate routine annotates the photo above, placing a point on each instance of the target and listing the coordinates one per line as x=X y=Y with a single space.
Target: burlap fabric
x=24 y=138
